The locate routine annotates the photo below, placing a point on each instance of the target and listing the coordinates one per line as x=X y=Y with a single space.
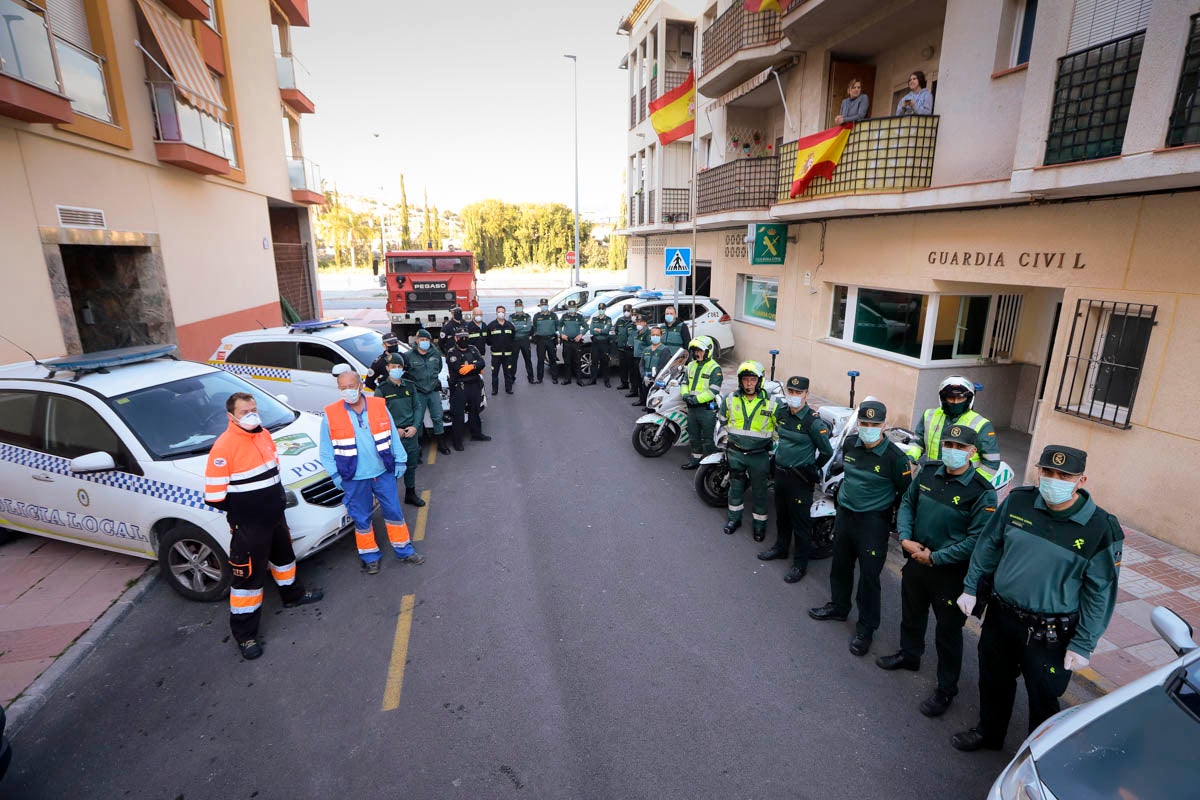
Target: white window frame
x=1018 y=32
x=740 y=294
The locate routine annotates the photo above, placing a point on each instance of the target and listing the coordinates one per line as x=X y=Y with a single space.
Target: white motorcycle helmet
x=956 y=386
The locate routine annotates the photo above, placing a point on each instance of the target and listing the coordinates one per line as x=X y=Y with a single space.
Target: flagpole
x=695 y=143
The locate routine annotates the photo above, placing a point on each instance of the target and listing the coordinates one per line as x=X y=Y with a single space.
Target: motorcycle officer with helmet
x=957 y=395
x=700 y=389
x=749 y=417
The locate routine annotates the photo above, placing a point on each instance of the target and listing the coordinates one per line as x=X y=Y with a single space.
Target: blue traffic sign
x=678 y=260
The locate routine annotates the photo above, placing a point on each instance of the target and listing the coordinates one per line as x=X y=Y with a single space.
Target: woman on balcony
x=918 y=100
x=854 y=106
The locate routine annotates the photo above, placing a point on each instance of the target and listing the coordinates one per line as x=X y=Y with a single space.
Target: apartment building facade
x=156 y=188
x=1035 y=232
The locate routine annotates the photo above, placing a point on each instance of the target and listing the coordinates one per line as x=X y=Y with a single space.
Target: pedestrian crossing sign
x=678 y=260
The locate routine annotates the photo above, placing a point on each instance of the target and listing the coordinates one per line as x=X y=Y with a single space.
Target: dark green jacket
x=676 y=335
x=621 y=331
x=875 y=477
x=422 y=369
x=401 y=401
x=945 y=512
x=523 y=324
x=803 y=438
x=1052 y=563
x=640 y=341
x=601 y=326
x=545 y=324
x=653 y=361
x=572 y=324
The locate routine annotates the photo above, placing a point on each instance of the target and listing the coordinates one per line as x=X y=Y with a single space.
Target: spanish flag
x=817 y=156
x=673 y=115
x=754 y=6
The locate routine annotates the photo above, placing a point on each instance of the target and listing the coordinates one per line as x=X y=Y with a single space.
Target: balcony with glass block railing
x=188 y=137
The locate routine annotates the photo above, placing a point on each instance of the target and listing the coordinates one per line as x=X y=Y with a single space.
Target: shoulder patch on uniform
x=218 y=462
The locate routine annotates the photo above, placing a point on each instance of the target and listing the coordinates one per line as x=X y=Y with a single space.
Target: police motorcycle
x=655 y=433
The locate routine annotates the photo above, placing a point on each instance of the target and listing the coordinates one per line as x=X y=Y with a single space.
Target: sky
x=471 y=100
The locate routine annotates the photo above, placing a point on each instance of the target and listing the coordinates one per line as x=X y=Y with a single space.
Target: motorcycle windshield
x=673 y=369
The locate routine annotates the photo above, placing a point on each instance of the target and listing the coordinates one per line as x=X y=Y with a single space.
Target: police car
x=296 y=361
x=108 y=450
x=582 y=293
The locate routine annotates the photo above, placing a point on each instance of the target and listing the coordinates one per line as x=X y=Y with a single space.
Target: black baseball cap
x=962 y=434
x=543 y=302
x=390 y=338
x=570 y=304
x=798 y=383
x=518 y=302
x=1070 y=460
x=627 y=307
x=872 y=411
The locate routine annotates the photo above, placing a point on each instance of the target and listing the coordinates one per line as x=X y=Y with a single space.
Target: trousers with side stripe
x=358 y=500
x=253 y=551
x=755 y=469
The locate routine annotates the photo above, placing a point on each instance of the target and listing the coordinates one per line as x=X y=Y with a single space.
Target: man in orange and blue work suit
x=242 y=479
x=363 y=455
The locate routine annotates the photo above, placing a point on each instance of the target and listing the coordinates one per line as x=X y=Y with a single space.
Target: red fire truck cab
x=424 y=285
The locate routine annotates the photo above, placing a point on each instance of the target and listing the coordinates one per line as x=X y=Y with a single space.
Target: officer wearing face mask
x=877 y=475
x=571 y=327
x=545 y=338
x=400 y=394
x=675 y=333
x=624 y=345
x=424 y=367
x=465 y=366
x=523 y=327
x=477 y=331
x=957 y=395
x=378 y=373
x=941 y=516
x=654 y=358
x=501 y=338
x=446 y=336
x=1054 y=557
x=639 y=340
x=601 y=327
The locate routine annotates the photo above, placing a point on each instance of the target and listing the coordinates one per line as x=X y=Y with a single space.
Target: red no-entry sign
x=571 y=258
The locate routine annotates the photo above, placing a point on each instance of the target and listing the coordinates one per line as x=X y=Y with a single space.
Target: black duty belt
x=748 y=452
x=1051 y=627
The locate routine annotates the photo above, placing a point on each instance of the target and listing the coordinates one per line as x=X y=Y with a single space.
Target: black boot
x=441 y=442
x=410 y=497
x=730 y=527
x=795 y=574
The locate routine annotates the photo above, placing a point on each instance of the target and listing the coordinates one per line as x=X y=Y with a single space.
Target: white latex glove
x=966 y=603
x=1074 y=661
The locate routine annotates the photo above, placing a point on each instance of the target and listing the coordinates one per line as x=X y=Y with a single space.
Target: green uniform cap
x=798 y=383
x=963 y=434
x=1070 y=460
x=543 y=302
x=395 y=358
x=423 y=334
x=872 y=411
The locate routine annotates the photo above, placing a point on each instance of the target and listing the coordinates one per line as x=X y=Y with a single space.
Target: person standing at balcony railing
x=919 y=100
x=854 y=106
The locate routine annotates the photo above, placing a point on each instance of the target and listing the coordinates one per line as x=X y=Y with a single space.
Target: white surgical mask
x=669 y=318
x=1056 y=491
x=351 y=395
x=250 y=421
x=627 y=314
x=795 y=401
x=396 y=374
x=870 y=436
x=641 y=328
x=500 y=315
x=544 y=308
x=478 y=320
x=954 y=459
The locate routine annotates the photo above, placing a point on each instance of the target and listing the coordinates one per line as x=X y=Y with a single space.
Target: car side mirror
x=1173 y=629
x=283 y=398
x=93 y=462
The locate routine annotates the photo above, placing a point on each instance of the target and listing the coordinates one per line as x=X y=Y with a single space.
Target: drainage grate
x=75 y=217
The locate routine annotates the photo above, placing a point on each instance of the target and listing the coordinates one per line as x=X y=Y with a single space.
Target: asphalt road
x=581 y=629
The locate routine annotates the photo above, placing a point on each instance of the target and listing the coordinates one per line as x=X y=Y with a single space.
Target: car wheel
x=585 y=364
x=7 y=536
x=193 y=563
x=822 y=538
x=712 y=483
x=653 y=440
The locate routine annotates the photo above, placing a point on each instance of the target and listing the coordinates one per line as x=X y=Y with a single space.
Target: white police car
x=297 y=361
x=108 y=450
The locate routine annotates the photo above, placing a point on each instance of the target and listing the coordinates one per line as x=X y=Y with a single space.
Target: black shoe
x=552 y=380
x=568 y=382
x=730 y=527
x=458 y=447
x=483 y=437
x=371 y=567
x=311 y=596
x=607 y=385
x=759 y=535
x=828 y=612
x=411 y=497
x=692 y=463
x=414 y=558
x=632 y=394
x=539 y=380
x=495 y=392
x=508 y=390
x=443 y=449
x=860 y=644
x=771 y=555
x=620 y=387
x=898 y=661
x=971 y=740
x=250 y=648
x=636 y=403
x=936 y=704
x=795 y=574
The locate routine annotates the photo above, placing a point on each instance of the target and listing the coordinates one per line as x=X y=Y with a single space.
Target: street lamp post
x=578 y=255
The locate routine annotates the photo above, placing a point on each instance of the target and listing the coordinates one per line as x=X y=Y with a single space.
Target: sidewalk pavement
x=50 y=594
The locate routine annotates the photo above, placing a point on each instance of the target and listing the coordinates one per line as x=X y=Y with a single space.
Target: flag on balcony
x=817 y=156
x=754 y=6
x=673 y=115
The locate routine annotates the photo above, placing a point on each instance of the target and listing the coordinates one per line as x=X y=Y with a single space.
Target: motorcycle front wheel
x=712 y=484
x=653 y=440
x=822 y=538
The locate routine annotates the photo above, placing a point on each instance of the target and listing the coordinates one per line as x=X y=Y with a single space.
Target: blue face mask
x=870 y=436
x=655 y=339
x=396 y=374
x=1056 y=491
x=423 y=346
x=954 y=459
x=669 y=318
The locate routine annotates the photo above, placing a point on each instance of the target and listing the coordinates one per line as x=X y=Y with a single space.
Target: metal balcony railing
x=742 y=184
x=672 y=78
x=650 y=207
x=883 y=154
x=642 y=104
x=26 y=48
x=304 y=174
x=736 y=30
x=676 y=205
x=292 y=74
x=1185 y=118
x=633 y=120
x=83 y=77
x=1092 y=97
x=177 y=121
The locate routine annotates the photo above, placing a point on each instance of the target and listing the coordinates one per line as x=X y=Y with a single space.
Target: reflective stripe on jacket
x=341 y=433
x=698 y=381
x=241 y=476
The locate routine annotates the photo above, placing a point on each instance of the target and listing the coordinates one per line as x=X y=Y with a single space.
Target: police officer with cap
x=941 y=516
x=1054 y=557
x=523 y=325
x=408 y=411
x=545 y=338
x=446 y=336
x=423 y=365
x=379 y=367
x=802 y=450
x=877 y=475
x=465 y=365
x=623 y=343
x=571 y=327
x=601 y=327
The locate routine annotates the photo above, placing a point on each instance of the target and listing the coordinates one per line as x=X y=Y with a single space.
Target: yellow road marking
x=395 y=676
x=422 y=516
x=431 y=458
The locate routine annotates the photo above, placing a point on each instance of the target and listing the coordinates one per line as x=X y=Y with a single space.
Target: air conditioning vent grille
x=75 y=217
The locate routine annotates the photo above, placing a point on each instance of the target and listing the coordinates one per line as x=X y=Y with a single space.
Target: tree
x=618 y=246
x=426 y=230
x=437 y=229
x=406 y=242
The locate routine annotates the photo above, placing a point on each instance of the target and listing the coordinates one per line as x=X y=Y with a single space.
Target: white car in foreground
x=108 y=450
x=1136 y=743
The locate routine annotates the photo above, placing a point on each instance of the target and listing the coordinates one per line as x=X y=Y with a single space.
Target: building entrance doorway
x=118 y=297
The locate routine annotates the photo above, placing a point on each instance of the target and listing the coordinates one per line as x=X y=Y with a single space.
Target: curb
x=31 y=701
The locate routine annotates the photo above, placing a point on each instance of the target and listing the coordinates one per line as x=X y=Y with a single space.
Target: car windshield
x=408 y=265
x=610 y=299
x=561 y=297
x=365 y=347
x=184 y=417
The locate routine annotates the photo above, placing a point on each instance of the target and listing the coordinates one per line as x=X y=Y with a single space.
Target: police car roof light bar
x=102 y=360
x=308 y=325
x=650 y=295
x=632 y=288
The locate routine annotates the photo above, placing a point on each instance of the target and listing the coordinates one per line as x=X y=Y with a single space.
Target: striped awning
x=183 y=57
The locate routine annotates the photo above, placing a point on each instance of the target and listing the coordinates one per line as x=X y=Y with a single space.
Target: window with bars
x=1103 y=364
x=1092 y=96
x=1185 y=118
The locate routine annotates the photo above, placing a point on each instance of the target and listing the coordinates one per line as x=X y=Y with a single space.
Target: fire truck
x=424 y=285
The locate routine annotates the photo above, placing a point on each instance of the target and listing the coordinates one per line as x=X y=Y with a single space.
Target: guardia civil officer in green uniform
x=654 y=358
x=877 y=475
x=1053 y=555
x=400 y=394
x=749 y=417
x=639 y=340
x=523 y=325
x=957 y=395
x=675 y=333
x=623 y=342
x=545 y=338
x=571 y=327
x=700 y=388
x=941 y=516
x=803 y=448
x=601 y=326
x=424 y=365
